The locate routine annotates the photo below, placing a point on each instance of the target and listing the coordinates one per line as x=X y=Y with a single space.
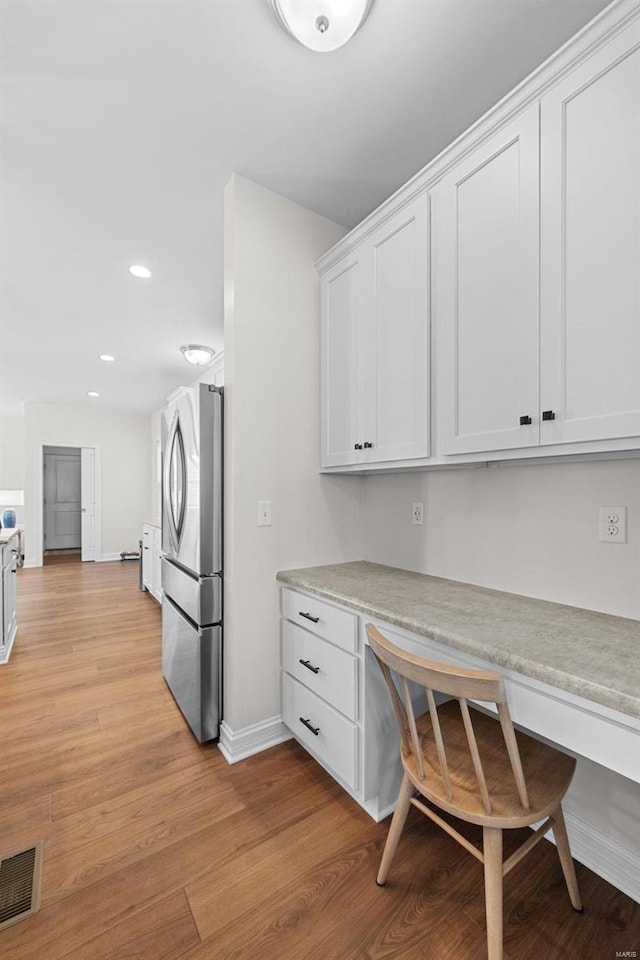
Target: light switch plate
x=264 y=513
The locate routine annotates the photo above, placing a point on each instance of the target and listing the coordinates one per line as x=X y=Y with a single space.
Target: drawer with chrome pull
x=336 y=625
x=326 y=733
x=325 y=669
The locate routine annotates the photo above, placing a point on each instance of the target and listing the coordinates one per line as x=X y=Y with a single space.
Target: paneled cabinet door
x=485 y=293
x=590 y=245
x=396 y=337
x=341 y=294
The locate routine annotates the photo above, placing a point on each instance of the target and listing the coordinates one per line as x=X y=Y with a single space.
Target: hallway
x=156 y=849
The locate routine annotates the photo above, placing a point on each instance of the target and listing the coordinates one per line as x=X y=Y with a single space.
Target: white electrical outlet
x=417 y=513
x=264 y=513
x=612 y=523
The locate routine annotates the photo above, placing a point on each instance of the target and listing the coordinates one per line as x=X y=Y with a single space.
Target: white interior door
x=88 y=510
x=62 y=484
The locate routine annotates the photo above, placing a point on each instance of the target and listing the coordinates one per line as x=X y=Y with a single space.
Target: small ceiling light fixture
x=107 y=357
x=142 y=273
x=92 y=393
x=321 y=25
x=196 y=354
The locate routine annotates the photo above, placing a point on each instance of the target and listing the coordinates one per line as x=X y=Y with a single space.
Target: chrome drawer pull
x=314 y=730
x=308 y=616
x=306 y=663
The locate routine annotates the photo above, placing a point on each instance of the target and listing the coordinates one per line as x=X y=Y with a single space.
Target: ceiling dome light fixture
x=321 y=25
x=196 y=354
x=142 y=273
x=107 y=357
x=92 y=393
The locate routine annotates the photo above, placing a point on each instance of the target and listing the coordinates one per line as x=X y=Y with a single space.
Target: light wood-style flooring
x=156 y=849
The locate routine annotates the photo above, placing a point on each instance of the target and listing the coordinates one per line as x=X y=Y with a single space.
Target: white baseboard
x=108 y=557
x=237 y=745
x=31 y=563
x=612 y=861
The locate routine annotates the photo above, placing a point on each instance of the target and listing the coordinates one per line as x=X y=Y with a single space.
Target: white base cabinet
x=337 y=706
x=8 y=621
x=151 y=550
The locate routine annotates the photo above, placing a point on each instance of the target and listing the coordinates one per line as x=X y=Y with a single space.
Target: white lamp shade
x=321 y=25
x=11 y=498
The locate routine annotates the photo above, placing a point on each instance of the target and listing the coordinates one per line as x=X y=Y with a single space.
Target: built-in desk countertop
x=572 y=676
x=592 y=655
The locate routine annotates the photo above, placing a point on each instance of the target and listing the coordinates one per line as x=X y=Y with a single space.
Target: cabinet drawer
x=338 y=626
x=330 y=672
x=336 y=740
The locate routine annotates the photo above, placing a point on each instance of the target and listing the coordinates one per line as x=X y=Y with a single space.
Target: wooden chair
x=480 y=770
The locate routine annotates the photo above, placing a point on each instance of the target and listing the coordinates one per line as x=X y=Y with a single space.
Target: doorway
x=66 y=484
x=62 y=505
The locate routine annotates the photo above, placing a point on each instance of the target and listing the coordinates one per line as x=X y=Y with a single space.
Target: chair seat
x=548 y=772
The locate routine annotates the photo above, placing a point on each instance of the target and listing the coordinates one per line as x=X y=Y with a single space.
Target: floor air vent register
x=20 y=884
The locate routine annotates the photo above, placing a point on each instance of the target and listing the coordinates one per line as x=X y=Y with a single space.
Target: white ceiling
x=124 y=119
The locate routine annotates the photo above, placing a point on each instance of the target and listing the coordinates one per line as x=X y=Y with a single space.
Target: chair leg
x=492 y=844
x=566 y=860
x=395 y=830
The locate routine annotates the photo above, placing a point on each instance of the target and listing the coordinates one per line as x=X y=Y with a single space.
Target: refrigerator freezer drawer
x=199 y=597
x=191 y=660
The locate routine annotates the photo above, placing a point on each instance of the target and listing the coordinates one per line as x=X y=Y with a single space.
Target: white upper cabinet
x=396 y=341
x=485 y=293
x=517 y=251
x=590 y=247
x=340 y=309
x=374 y=346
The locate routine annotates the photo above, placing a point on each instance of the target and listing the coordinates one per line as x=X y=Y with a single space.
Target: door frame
x=35 y=530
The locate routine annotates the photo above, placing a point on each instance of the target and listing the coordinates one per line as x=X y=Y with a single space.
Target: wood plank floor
x=156 y=849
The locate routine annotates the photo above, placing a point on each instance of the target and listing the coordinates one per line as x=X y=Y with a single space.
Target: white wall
x=272 y=435
x=123 y=441
x=523 y=529
x=12 y=458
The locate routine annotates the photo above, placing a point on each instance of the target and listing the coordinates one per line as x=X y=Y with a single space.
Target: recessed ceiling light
x=107 y=357
x=196 y=354
x=143 y=273
x=92 y=393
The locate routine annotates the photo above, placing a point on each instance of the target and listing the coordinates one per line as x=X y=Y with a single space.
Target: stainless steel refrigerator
x=192 y=555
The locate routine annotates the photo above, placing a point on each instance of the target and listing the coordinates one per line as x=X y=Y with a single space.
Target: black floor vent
x=20 y=884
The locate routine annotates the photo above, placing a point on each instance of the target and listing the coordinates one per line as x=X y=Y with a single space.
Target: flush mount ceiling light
x=92 y=393
x=321 y=25
x=137 y=270
x=107 y=357
x=196 y=354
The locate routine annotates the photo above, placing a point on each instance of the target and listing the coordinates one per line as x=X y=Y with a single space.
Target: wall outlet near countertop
x=612 y=524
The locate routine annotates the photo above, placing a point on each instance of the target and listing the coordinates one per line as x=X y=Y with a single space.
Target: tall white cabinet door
x=341 y=294
x=396 y=341
x=590 y=242
x=485 y=293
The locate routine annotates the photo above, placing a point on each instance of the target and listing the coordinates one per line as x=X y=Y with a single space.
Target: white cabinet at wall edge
x=151 y=549
x=375 y=346
x=542 y=348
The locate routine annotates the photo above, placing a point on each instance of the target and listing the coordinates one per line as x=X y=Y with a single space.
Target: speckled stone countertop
x=593 y=655
x=7 y=532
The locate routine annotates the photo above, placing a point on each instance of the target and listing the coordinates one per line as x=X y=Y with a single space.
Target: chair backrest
x=455 y=682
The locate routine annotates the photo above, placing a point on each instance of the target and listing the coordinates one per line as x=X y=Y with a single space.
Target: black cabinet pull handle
x=524 y=421
x=308 y=616
x=548 y=415
x=368 y=445
x=307 y=664
x=314 y=730
x=357 y=446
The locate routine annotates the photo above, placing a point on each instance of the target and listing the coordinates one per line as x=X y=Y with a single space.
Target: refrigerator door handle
x=175 y=483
